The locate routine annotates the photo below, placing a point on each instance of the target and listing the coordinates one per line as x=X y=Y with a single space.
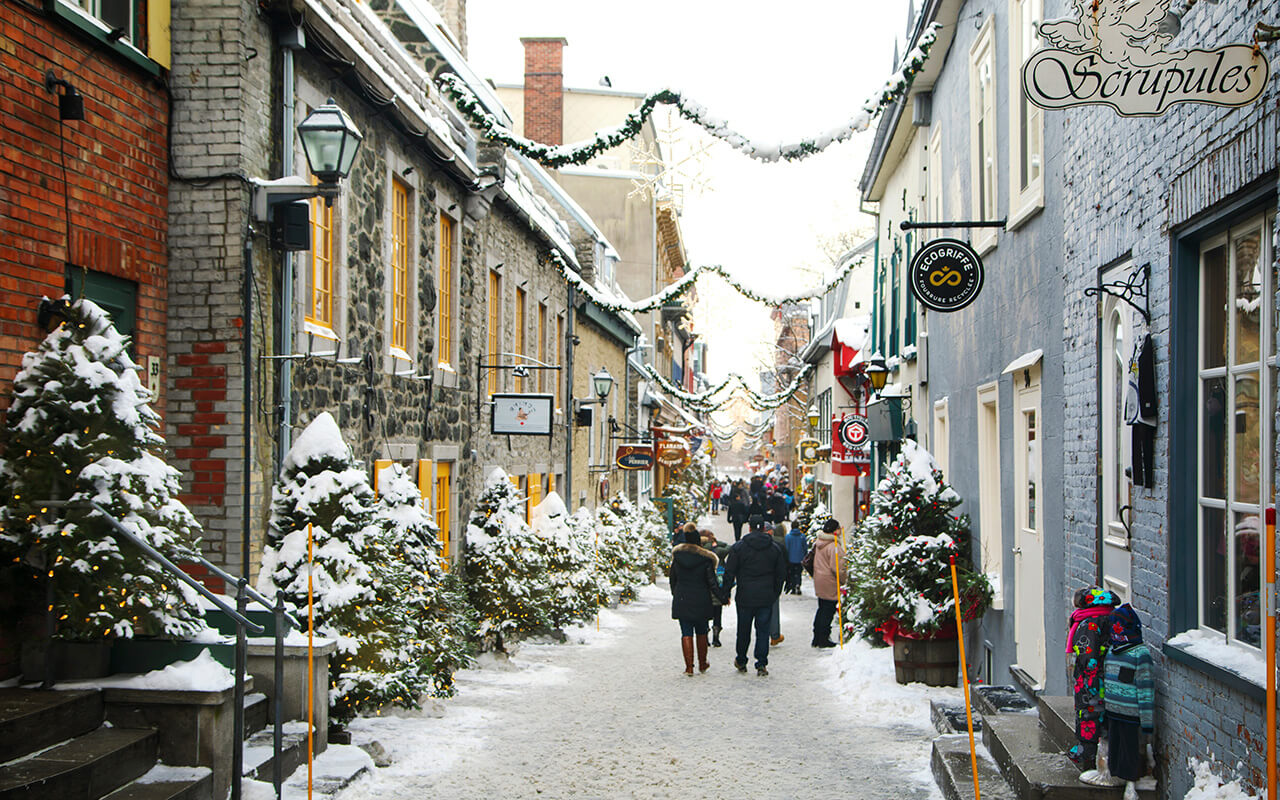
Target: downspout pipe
x=571 y=412
x=290 y=39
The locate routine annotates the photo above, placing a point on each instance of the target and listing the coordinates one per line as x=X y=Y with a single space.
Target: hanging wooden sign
x=946 y=275
x=630 y=456
x=1114 y=55
x=808 y=450
x=673 y=453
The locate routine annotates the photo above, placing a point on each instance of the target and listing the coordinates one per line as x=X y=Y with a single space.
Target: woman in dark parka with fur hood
x=693 y=580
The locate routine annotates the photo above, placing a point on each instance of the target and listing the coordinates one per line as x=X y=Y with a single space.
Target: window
x=982 y=133
x=495 y=329
x=542 y=345
x=551 y=482
x=117 y=296
x=1237 y=407
x=942 y=436
x=444 y=295
x=535 y=495
x=444 y=489
x=399 y=269
x=424 y=483
x=1026 y=121
x=519 y=333
x=824 y=417
x=896 y=288
x=126 y=16
x=989 y=519
x=320 y=274
x=935 y=175
x=556 y=359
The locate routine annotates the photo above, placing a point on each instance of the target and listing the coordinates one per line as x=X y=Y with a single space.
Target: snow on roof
x=854 y=332
x=1023 y=361
x=320 y=438
x=518 y=188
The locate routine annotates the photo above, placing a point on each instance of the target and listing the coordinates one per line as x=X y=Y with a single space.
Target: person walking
x=738 y=512
x=716 y=491
x=797 y=548
x=826 y=582
x=776 y=506
x=721 y=550
x=693 y=583
x=779 y=536
x=756 y=567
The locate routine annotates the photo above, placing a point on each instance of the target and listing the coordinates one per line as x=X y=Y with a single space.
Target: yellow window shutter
x=425 y=485
x=158 y=49
x=378 y=466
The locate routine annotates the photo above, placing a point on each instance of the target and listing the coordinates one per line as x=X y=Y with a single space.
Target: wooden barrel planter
x=933 y=662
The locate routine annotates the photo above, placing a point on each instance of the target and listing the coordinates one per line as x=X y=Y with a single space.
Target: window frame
x=941 y=442
x=1024 y=201
x=446 y=271
x=400 y=206
x=306 y=327
x=443 y=506
x=400 y=360
x=559 y=374
x=983 y=140
x=990 y=496
x=936 y=205
x=493 y=333
x=520 y=323
x=540 y=341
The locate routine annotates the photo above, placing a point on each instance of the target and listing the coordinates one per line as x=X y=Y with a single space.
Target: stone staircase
x=1021 y=751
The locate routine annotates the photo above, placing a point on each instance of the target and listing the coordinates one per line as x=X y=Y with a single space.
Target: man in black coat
x=738 y=511
x=758 y=568
x=776 y=505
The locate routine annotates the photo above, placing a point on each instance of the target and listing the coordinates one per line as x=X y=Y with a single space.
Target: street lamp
x=603 y=382
x=330 y=141
x=877 y=373
x=814 y=417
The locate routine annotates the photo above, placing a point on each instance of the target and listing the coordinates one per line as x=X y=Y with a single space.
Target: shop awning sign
x=637 y=457
x=673 y=453
x=1115 y=56
x=946 y=275
x=808 y=450
x=854 y=433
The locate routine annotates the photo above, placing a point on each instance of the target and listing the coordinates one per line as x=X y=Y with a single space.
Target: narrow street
x=615 y=717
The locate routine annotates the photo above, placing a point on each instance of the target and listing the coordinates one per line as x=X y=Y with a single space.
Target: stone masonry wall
x=1129 y=182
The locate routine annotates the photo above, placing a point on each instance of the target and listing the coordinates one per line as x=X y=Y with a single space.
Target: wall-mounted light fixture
x=70 y=103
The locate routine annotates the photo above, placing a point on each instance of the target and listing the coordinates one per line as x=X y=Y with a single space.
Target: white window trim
x=1021 y=389
x=1266 y=374
x=308 y=97
x=941 y=443
x=983 y=50
x=446 y=369
x=990 y=519
x=1024 y=204
x=394 y=358
x=936 y=205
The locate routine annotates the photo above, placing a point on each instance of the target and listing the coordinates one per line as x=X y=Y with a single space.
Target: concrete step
x=998 y=699
x=1035 y=765
x=953 y=771
x=88 y=766
x=1058 y=715
x=259 y=755
x=257 y=712
x=31 y=719
x=168 y=783
x=949 y=717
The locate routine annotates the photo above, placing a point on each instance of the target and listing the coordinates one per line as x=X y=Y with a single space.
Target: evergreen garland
x=555 y=156
x=705 y=401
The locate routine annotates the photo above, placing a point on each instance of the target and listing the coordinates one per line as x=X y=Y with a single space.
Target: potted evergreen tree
x=900 y=591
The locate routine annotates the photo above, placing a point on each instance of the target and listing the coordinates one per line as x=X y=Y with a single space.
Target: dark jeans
x=822 y=620
x=737 y=531
x=1124 y=756
x=688 y=627
x=794 y=570
x=759 y=618
x=717 y=617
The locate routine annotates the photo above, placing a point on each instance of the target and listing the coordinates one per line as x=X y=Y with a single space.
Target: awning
x=1023 y=361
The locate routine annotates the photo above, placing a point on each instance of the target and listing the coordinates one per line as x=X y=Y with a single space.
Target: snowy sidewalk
x=612 y=715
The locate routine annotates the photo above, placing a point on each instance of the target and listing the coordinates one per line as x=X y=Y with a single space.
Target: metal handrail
x=283 y=620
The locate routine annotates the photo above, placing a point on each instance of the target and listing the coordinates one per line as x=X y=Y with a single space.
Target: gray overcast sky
x=775 y=71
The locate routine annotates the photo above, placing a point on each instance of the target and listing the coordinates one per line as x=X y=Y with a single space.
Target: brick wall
x=115 y=190
x=544 y=89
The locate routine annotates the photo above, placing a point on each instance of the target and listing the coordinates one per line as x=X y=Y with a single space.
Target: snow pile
x=1213 y=647
x=1208 y=786
x=201 y=674
x=863 y=677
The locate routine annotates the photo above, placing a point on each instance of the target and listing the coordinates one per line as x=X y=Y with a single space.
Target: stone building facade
x=1189 y=199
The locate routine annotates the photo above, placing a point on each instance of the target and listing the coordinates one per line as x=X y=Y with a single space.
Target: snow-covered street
x=611 y=715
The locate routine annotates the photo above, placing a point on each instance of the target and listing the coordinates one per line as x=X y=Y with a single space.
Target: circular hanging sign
x=854 y=433
x=946 y=275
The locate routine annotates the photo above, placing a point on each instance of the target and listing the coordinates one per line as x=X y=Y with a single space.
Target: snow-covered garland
x=704 y=401
x=561 y=155
x=679 y=287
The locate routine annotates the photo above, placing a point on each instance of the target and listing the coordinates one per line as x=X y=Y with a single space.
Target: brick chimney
x=544 y=89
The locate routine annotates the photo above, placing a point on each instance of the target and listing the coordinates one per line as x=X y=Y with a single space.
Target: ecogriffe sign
x=1115 y=56
x=946 y=275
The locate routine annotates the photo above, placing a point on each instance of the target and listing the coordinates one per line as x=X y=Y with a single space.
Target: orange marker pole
x=311 y=680
x=1269 y=595
x=964 y=679
x=839 y=587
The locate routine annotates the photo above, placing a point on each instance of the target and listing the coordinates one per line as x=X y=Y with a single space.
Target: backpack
x=808 y=562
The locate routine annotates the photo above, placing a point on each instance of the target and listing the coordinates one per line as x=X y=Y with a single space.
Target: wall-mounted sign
x=521 y=414
x=1115 y=56
x=672 y=453
x=854 y=433
x=630 y=456
x=946 y=275
x=808 y=451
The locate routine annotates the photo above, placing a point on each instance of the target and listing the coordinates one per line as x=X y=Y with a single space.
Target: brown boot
x=686 y=644
x=703 y=666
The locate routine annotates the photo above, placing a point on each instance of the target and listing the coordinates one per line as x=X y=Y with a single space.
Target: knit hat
x=1124 y=626
x=1093 y=596
x=831 y=526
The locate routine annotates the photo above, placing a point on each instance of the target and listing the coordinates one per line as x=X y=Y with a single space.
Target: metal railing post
x=242 y=651
x=277 y=744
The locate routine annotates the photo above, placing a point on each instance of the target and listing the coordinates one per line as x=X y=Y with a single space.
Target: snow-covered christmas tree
x=80 y=427
x=899 y=555
x=570 y=564
x=505 y=570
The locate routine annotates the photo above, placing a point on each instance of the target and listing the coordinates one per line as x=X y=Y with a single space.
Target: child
x=797 y=547
x=1127 y=685
x=722 y=552
x=1086 y=647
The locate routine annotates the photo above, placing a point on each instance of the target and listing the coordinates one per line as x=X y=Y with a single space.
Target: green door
x=117 y=296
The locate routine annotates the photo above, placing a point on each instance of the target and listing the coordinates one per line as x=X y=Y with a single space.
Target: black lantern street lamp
x=877 y=373
x=330 y=141
x=602 y=381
